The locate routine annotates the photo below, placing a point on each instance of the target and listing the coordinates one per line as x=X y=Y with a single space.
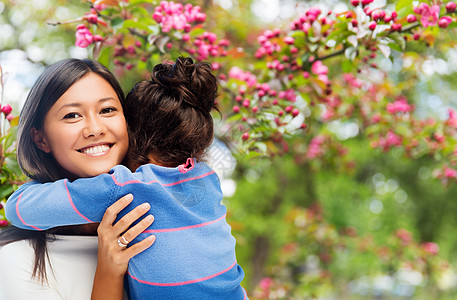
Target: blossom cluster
x=430 y=15
x=84 y=37
x=177 y=16
x=206 y=45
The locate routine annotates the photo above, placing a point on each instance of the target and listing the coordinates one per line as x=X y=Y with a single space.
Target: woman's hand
x=113 y=254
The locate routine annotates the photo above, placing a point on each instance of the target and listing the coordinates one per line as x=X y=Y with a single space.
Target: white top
x=73 y=260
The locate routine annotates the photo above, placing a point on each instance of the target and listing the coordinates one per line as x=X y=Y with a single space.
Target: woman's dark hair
x=169 y=116
x=36 y=164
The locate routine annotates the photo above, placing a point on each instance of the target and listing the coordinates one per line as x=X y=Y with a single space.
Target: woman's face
x=85 y=130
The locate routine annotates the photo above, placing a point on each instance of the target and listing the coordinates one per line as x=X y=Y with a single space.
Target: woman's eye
x=108 y=110
x=71 y=116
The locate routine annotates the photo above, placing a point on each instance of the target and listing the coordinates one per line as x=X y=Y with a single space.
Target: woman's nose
x=93 y=127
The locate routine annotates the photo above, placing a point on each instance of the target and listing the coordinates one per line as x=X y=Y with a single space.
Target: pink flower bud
x=158 y=17
x=246 y=103
x=289 y=40
x=289 y=109
x=245 y=136
x=255 y=109
x=411 y=18
x=450 y=7
x=236 y=109
x=354 y=22
x=431 y=248
x=3 y=223
x=295 y=112
x=7 y=109
x=92 y=18
x=280 y=113
x=372 y=25
x=130 y=49
x=10 y=117
x=444 y=22
x=129 y=66
x=355 y=2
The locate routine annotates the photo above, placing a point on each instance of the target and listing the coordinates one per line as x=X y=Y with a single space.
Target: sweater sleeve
x=40 y=206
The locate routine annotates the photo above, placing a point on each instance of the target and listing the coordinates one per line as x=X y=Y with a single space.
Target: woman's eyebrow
x=77 y=104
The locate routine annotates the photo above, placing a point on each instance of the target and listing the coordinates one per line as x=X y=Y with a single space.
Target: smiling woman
x=89 y=133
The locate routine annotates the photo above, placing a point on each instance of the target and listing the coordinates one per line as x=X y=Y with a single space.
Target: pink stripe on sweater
x=19 y=215
x=73 y=205
x=182 y=282
x=162 y=184
x=184 y=227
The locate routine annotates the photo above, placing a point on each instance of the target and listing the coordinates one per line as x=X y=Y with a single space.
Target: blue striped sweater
x=194 y=253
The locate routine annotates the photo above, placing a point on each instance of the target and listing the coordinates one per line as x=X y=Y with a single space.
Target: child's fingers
x=124 y=223
x=112 y=211
x=133 y=232
x=140 y=246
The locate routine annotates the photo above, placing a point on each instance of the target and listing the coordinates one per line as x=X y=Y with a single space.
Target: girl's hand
x=113 y=256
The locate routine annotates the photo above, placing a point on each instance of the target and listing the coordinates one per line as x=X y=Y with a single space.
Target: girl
x=49 y=266
x=170 y=128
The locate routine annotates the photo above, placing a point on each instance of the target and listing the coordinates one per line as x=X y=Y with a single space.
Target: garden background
x=336 y=142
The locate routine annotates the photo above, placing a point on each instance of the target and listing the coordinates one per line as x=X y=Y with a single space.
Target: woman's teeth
x=95 y=150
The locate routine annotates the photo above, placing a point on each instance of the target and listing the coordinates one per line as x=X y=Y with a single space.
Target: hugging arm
x=40 y=206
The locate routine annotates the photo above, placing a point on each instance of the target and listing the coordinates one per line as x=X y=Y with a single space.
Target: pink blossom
x=392 y=139
x=324 y=79
x=265 y=283
x=452 y=120
x=401 y=105
x=176 y=16
x=404 y=235
x=450 y=173
x=83 y=36
x=239 y=74
x=327 y=115
x=429 y=15
x=431 y=248
x=352 y=80
x=319 y=68
x=315 y=147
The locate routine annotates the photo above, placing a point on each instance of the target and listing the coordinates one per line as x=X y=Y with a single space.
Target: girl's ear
x=39 y=140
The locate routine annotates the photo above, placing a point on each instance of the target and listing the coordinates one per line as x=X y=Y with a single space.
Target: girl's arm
x=40 y=206
x=112 y=258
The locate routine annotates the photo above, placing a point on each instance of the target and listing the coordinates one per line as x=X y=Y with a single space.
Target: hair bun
x=193 y=84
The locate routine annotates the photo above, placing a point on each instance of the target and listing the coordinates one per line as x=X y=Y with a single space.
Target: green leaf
x=399 y=40
x=137 y=25
x=105 y=56
x=347 y=66
x=117 y=22
x=404 y=4
x=394 y=46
